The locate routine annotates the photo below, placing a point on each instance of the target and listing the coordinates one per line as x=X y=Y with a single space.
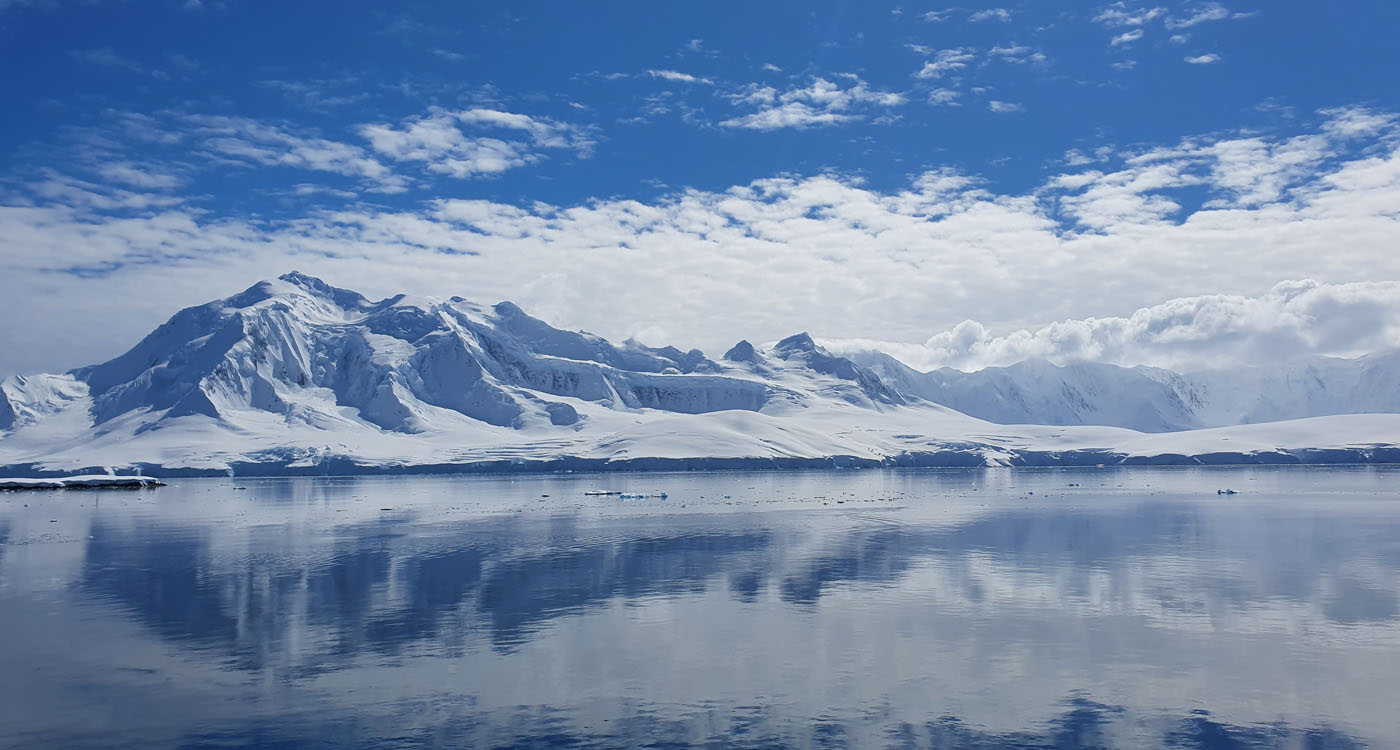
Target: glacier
x=295 y=376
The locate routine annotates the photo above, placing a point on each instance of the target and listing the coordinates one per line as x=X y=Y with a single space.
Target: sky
x=1179 y=184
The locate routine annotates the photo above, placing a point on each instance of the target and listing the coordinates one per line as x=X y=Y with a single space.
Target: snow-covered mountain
x=294 y=375
x=1151 y=399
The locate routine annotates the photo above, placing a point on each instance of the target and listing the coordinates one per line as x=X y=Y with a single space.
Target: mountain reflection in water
x=925 y=609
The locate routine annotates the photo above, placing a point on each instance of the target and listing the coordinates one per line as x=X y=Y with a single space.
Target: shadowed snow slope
x=295 y=376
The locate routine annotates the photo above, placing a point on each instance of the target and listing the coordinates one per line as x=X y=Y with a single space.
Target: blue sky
x=875 y=173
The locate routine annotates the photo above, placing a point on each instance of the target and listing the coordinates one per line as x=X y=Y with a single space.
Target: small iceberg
x=88 y=481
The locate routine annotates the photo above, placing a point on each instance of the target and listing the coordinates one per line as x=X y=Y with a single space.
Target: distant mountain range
x=295 y=376
x=1152 y=399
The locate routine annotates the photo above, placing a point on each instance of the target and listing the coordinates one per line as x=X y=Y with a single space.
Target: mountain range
x=293 y=375
x=1152 y=399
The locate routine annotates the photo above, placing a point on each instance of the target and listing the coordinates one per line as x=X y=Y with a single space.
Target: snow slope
x=1150 y=399
x=295 y=376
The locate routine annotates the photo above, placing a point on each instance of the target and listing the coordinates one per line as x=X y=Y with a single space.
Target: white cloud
x=1293 y=319
x=1216 y=221
x=944 y=62
x=1356 y=122
x=249 y=142
x=1127 y=37
x=1206 y=13
x=990 y=14
x=1206 y=59
x=1120 y=14
x=675 y=75
x=820 y=104
x=1004 y=107
x=790 y=115
x=439 y=141
x=1018 y=54
x=137 y=176
x=944 y=98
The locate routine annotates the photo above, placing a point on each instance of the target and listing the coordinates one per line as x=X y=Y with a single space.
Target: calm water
x=992 y=608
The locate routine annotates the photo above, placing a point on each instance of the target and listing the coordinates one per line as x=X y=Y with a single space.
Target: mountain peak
x=741 y=352
x=344 y=298
x=303 y=280
x=801 y=342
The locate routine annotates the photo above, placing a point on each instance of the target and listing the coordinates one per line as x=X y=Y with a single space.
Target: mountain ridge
x=1152 y=399
x=293 y=374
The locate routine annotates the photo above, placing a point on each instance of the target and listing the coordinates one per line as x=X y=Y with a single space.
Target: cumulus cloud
x=1003 y=108
x=1293 y=319
x=1216 y=221
x=820 y=104
x=1205 y=59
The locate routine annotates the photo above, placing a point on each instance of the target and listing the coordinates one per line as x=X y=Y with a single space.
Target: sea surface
x=988 y=608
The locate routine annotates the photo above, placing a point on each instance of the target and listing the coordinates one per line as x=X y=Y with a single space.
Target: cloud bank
x=1293 y=319
x=1200 y=231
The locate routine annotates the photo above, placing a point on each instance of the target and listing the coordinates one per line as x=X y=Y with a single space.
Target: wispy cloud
x=440 y=141
x=944 y=98
x=1203 y=14
x=944 y=62
x=822 y=103
x=990 y=14
x=1018 y=54
x=106 y=57
x=1003 y=108
x=1205 y=59
x=1120 y=14
x=1127 y=37
x=679 y=77
x=245 y=141
x=139 y=176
